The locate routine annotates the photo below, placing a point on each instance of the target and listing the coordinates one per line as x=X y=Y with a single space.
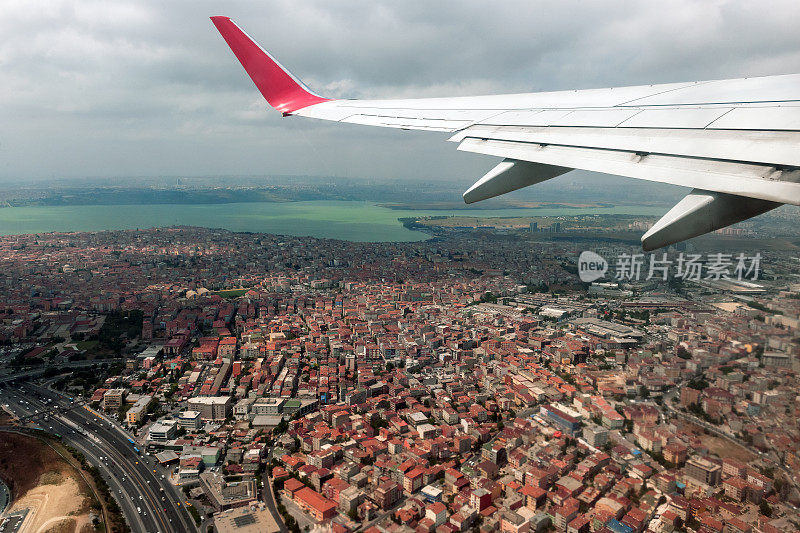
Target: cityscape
x=252 y=382
x=302 y=266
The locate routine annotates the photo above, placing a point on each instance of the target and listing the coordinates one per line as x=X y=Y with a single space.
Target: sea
x=345 y=220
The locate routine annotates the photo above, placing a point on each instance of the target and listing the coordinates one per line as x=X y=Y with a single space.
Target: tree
x=154 y=408
x=489 y=298
x=698 y=383
x=683 y=353
x=282 y=426
x=378 y=422
x=779 y=485
x=765 y=509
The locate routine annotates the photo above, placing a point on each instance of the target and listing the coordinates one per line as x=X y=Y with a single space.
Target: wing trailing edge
x=765 y=182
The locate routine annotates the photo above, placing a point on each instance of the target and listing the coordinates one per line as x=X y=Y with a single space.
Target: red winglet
x=281 y=89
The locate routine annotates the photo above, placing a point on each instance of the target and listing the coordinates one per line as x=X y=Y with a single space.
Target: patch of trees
x=118 y=327
x=698 y=383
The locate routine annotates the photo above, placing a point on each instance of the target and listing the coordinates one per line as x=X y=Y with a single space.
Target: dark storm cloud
x=149 y=88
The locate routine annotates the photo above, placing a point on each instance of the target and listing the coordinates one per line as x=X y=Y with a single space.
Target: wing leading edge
x=736 y=143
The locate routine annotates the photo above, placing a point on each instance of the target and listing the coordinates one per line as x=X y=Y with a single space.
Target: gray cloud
x=96 y=88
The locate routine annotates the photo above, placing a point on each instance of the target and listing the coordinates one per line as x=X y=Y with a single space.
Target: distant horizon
x=577 y=187
x=150 y=177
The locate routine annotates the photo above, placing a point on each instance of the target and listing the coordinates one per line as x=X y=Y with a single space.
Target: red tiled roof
x=314 y=500
x=293 y=485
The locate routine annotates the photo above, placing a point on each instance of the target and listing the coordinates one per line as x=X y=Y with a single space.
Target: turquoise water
x=353 y=221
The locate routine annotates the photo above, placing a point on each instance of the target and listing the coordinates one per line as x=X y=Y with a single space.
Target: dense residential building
x=224 y=494
x=703 y=470
x=595 y=435
x=315 y=504
x=138 y=410
x=211 y=407
x=112 y=399
x=163 y=431
x=467 y=382
x=190 y=420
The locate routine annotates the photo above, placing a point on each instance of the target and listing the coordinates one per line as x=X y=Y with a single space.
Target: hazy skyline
x=150 y=88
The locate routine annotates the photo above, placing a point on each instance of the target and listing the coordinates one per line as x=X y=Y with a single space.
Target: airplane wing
x=736 y=142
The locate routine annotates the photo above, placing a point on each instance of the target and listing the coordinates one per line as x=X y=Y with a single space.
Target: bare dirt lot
x=719 y=446
x=42 y=481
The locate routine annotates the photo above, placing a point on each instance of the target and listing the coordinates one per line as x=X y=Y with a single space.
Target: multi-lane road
x=150 y=503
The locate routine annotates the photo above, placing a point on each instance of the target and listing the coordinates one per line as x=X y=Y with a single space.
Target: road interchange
x=149 y=502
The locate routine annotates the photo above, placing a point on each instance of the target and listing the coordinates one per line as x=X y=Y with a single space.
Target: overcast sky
x=113 y=88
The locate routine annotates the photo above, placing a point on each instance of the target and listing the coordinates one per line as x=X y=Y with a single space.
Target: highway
x=150 y=503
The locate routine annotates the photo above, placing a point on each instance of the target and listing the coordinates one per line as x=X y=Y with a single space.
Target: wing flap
x=786 y=117
x=595 y=118
x=675 y=118
x=773 y=148
x=756 y=181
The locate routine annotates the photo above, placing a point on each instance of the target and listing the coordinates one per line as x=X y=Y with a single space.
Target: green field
x=87 y=345
x=231 y=293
